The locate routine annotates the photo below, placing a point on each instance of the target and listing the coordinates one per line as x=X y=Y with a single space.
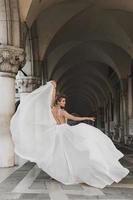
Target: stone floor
x=28 y=182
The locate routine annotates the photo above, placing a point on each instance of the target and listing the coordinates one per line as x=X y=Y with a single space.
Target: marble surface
x=28 y=182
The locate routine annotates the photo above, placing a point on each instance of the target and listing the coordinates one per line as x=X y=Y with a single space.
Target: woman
x=69 y=154
x=60 y=115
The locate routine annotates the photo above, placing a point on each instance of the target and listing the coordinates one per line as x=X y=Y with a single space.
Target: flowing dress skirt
x=69 y=154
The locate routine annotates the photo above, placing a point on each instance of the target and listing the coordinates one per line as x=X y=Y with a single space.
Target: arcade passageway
x=87 y=47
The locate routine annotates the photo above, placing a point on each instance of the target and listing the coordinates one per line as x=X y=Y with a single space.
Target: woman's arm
x=54 y=92
x=74 y=118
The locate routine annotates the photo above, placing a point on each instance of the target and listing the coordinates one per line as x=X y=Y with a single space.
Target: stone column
x=10 y=60
x=26 y=84
x=98 y=118
x=124 y=110
x=130 y=110
x=130 y=98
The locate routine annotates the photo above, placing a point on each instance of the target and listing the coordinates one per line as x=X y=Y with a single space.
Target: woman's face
x=62 y=102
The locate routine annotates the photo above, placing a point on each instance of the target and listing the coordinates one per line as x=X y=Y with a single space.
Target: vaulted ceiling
x=88 y=45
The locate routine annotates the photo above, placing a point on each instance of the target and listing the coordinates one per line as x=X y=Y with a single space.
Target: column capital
x=11 y=59
x=27 y=84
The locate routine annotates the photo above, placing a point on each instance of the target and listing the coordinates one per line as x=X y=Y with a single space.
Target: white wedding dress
x=69 y=154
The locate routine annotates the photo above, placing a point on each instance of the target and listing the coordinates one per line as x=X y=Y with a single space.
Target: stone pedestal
x=10 y=60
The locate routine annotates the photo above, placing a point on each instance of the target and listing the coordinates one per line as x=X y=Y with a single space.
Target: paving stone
x=36 y=187
x=71 y=187
x=11 y=181
x=34 y=196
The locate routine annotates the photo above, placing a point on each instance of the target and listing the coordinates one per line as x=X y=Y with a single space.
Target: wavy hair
x=58 y=98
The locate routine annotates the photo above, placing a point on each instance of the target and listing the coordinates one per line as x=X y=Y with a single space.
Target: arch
x=95 y=51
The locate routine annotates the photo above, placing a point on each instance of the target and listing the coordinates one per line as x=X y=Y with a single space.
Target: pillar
x=10 y=60
x=130 y=108
x=32 y=80
x=124 y=110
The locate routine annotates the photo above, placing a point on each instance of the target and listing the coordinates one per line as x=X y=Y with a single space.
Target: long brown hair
x=58 y=98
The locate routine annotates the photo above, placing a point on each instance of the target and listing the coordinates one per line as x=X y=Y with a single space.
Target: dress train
x=69 y=154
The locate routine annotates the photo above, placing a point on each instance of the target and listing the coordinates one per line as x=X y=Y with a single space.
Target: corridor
x=29 y=182
x=86 y=46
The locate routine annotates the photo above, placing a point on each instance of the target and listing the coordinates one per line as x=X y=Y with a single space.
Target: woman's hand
x=91 y=118
x=54 y=83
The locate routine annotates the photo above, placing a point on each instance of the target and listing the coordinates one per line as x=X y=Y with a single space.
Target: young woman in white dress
x=57 y=107
x=70 y=154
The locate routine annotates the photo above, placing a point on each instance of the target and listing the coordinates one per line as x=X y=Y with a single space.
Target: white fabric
x=70 y=154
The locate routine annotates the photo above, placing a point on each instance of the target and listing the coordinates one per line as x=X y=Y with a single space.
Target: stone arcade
x=86 y=45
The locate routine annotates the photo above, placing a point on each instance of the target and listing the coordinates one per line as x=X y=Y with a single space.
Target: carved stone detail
x=11 y=59
x=27 y=84
x=129 y=140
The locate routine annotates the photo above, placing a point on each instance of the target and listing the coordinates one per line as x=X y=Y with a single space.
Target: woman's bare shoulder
x=64 y=111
